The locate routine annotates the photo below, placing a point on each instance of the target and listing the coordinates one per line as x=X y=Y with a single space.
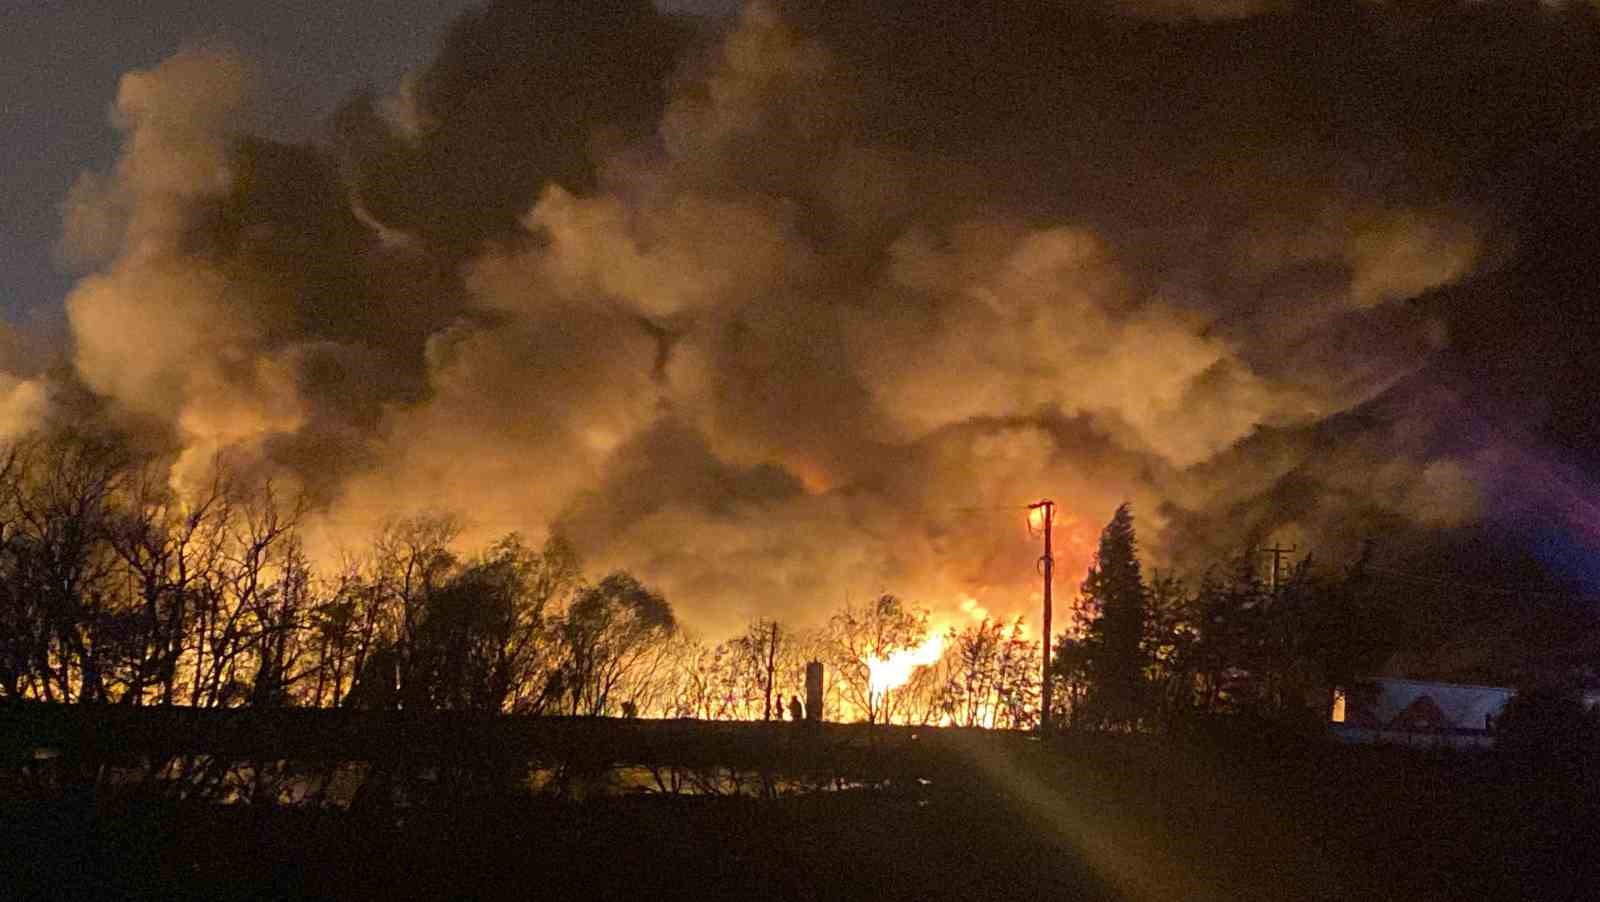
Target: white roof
x=1461 y=704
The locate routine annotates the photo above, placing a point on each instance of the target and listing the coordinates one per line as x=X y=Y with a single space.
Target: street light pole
x=1047 y=509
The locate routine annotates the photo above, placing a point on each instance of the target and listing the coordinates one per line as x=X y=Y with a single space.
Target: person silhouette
x=796 y=710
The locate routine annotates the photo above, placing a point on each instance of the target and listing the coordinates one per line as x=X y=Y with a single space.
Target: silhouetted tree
x=484 y=641
x=872 y=631
x=1071 y=668
x=1280 y=652
x=761 y=645
x=693 y=688
x=1227 y=651
x=169 y=546
x=1172 y=638
x=736 y=676
x=62 y=495
x=423 y=629
x=991 y=677
x=613 y=638
x=1351 y=629
x=1114 y=594
x=1546 y=731
x=409 y=560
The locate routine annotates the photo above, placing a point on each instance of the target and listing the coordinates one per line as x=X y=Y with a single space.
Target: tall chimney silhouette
x=814 y=691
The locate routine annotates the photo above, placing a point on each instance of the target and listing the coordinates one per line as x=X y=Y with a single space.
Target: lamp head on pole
x=1040 y=513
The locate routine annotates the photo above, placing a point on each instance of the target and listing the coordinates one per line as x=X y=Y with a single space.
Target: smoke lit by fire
x=807 y=304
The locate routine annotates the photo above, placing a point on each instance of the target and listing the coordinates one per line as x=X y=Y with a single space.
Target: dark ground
x=840 y=847
x=1088 y=818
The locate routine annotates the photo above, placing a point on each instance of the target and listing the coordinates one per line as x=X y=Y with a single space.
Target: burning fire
x=893 y=672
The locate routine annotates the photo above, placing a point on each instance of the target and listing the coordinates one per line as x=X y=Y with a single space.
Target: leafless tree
x=167 y=545
x=873 y=631
x=614 y=637
x=60 y=504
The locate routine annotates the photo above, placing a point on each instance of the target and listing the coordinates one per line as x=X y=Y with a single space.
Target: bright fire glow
x=893 y=672
x=972 y=609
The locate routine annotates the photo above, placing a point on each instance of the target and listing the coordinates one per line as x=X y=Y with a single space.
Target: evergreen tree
x=1172 y=643
x=1115 y=596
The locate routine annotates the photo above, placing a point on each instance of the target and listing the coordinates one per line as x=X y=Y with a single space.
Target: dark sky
x=59 y=65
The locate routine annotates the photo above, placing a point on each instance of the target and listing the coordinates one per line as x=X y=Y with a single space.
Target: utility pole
x=772 y=661
x=1047 y=509
x=1277 y=552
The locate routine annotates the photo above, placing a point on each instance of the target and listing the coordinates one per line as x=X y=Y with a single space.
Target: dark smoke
x=778 y=309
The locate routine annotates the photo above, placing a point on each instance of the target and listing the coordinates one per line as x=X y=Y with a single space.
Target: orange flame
x=894 y=671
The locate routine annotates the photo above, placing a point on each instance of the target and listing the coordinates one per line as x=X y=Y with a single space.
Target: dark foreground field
x=1100 y=817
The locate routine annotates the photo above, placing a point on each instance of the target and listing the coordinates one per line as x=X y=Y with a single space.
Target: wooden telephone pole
x=772 y=666
x=1047 y=510
x=1277 y=552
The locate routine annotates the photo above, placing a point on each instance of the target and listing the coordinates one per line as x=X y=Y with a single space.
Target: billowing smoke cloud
x=805 y=305
x=1196 y=9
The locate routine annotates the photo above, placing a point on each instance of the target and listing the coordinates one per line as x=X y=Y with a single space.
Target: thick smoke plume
x=806 y=304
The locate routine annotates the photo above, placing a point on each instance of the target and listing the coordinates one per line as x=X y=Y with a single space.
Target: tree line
x=117 y=589
x=1146 y=654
